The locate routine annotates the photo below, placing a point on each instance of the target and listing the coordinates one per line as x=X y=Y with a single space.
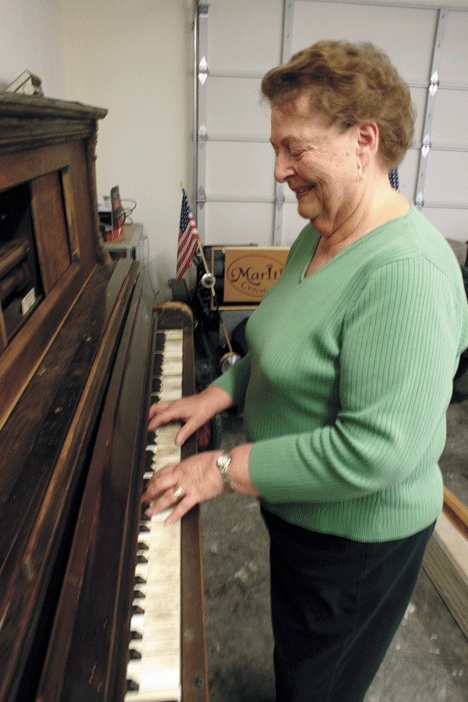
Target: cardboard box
x=249 y=271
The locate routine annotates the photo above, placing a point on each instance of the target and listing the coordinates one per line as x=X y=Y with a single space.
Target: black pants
x=336 y=605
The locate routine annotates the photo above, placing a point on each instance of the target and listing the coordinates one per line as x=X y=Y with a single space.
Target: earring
x=360 y=171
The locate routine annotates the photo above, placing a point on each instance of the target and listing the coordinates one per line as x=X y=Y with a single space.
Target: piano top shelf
x=49 y=121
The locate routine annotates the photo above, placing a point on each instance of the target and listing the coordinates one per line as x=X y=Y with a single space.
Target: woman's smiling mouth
x=300 y=192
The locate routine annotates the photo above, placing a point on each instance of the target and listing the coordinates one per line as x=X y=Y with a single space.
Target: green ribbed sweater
x=348 y=379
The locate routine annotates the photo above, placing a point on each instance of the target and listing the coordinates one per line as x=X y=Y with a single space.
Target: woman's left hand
x=194 y=480
x=183 y=485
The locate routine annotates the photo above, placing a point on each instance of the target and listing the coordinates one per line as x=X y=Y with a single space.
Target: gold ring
x=178 y=492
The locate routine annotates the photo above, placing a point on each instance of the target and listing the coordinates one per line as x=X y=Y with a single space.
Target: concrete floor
x=428 y=658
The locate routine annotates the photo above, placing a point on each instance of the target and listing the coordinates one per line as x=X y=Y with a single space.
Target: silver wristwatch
x=223 y=462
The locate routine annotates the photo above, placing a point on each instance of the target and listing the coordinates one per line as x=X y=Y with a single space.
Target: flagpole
x=205 y=264
x=226 y=335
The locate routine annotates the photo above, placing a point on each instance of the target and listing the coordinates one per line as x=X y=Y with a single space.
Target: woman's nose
x=283 y=167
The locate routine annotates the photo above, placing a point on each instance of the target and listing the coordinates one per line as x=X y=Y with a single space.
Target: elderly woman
x=346 y=383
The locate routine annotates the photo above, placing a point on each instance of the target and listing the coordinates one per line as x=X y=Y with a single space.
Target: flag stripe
x=188 y=238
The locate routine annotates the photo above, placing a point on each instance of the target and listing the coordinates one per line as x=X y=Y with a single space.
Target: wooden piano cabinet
x=54 y=252
x=47 y=171
x=43 y=464
x=76 y=341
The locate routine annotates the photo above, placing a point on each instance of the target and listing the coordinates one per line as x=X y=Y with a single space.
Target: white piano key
x=154 y=648
x=154 y=664
x=155 y=672
x=172 y=376
x=158 y=678
x=167 y=633
x=172 y=381
x=156 y=696
x=166 y=435
x=155 y=608
x=155 y=588
x=167 y=395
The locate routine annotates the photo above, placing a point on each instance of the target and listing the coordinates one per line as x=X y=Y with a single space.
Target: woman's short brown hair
x=349 y=84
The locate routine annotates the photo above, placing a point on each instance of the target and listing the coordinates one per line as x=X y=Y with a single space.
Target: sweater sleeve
x=235 y=380
x=398 y=354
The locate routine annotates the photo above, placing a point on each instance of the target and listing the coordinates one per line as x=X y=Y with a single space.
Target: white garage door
x=237 y=200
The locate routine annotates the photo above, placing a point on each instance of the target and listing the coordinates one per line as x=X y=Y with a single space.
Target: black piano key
x=141 y=559
x=139 y=580
x=136 y=609
x=138 y=595
x=136 y=636
x=157 y=365
x=156 y=384
x=149 y=458
x=160 y=341
x=132 y=686
x=142 y=546
x=144 y=528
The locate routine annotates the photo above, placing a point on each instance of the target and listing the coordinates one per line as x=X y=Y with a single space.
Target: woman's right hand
x=193 y=411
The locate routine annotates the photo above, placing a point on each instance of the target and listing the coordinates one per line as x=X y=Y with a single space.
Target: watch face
x=223 y=460
x=223 y=464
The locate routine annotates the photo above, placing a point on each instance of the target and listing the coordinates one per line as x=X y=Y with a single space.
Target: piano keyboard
x=154 y=667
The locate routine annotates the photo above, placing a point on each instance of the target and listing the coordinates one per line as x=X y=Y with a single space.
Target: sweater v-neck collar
x=352 y=245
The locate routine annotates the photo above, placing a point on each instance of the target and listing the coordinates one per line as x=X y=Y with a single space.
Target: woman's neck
x=373 y=209
x=386 y=205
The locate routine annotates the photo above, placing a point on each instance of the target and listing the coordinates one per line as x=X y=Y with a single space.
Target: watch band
x=223 y=462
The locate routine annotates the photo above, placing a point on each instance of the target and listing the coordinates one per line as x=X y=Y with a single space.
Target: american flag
x=188 y=238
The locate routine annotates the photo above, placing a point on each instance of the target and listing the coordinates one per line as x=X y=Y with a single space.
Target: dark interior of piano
x=76 y=343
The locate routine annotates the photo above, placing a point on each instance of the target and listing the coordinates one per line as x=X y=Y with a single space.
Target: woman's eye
x=296 y=153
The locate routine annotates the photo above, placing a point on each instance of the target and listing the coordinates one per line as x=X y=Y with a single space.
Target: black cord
x=128 y=210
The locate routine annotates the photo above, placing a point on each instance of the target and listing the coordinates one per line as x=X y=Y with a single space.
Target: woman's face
x=320 y=163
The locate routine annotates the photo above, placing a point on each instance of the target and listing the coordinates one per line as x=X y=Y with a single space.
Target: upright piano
x=83 y=351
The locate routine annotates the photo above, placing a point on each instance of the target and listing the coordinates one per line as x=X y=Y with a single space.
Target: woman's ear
x=368 y=139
